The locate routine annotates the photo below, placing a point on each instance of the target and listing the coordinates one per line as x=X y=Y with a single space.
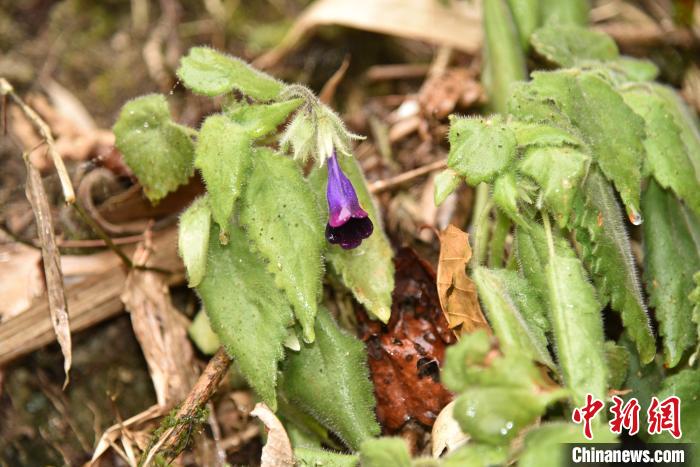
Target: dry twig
x=203 y=390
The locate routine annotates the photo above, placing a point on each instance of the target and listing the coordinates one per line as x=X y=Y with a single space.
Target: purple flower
x=348 y=224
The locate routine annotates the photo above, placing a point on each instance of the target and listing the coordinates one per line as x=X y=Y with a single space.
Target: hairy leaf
x=475 y=362
x=515 y=313
x=542 y=135
x=618 y=360
x=368 y=270
x=558 y=171
x=476 y=455
x=385 y=451
x=211 y=73
x=668 y=158
x=480 y=149
x=260 y=119
x=544 y=445
x=607 y=252
x=223 y=156
x=446 y=182
x=532 y=254
x=495 y=415
x=671 y=256
x=586 y=105
x=309 y=457
x=329 y=379
x=567 y=45
x=683 y=385
x=577 y=327
x=505 y=195
x=281 y=217
x=193 y=240
x=156 y=149
x=248 y=313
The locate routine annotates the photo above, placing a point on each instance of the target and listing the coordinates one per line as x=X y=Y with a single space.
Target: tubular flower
x=348 y=224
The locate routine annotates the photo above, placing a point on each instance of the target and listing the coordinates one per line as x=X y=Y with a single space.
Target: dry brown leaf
x=52 y=263
x=456 y=24
x=122 y=430
x=457 y=292
x=447 y=434
x=161 y=333
x=277 y=450
x=21 y=279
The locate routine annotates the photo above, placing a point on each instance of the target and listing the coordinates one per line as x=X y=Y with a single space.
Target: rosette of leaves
x=253 y=245
x=590 y=150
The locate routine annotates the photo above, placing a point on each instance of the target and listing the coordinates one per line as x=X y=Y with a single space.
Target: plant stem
x=498 y=239
x=481 y=229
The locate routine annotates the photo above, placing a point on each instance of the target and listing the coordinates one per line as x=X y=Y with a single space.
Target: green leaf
x=258 y=120
x=321 y=458
x=476 y=455
x=515 y=313
x=607 y=252
x=618 y=361
x=368 y=270
x=211 y=73
x=383 y=452
x=544 y=445
x=471 y=363
x=577 y=327
x=462 y=358
x=248 y=313
x=586 y=105
x=193 y=239
x=694 y=298
x=504 y=61
x=480 y=149
x=542 y=135
x=495 y=415
x=446 y=182
x=202 y=335
x=567 y=45
x=156 y=149
x=223 y=156
x=281 y=217
x=329 y=379
x=505 y=195
x=558 y=171
x=632 y=69
x=671 y=257
x=668 y=158
x=643 y=380
x=687 y=122
x=685 y=386
x=532 y=254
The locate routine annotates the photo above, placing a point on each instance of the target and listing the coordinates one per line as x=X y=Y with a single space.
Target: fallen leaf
x=52 y=263
x=406 y=354
x=21 y=279
x=277 y=450
x=447 y=435
x=161 y=332
x=454 y=24
x=457 y=292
